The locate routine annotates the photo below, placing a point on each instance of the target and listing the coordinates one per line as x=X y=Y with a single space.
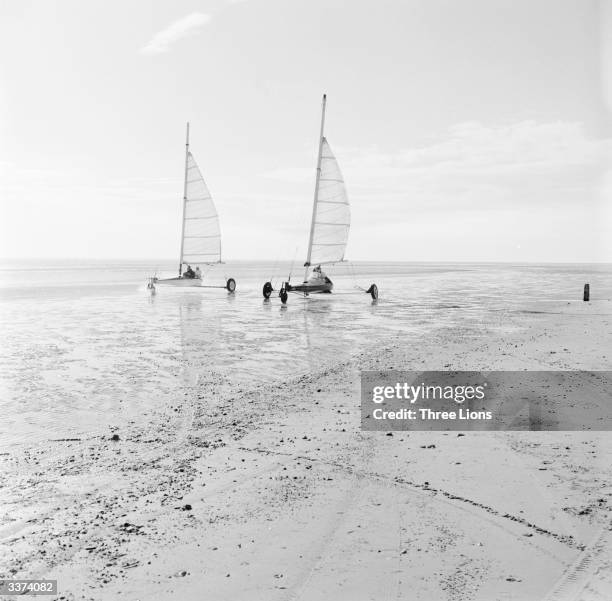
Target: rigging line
x=274 y=267
x=292 y=263
x=207 y=271
x=355 y=285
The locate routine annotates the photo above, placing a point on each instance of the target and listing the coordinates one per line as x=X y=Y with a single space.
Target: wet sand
x=273 y=492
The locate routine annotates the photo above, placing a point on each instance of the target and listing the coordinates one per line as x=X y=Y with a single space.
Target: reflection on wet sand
x=83 y=358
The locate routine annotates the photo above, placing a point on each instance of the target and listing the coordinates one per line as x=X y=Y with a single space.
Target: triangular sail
x=332 y=215
x=201 y=233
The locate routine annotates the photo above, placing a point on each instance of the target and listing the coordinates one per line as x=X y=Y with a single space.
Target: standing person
x=198 y=273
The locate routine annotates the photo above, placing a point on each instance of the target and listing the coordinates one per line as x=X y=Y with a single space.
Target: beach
x=270 y=490
x=306 y=301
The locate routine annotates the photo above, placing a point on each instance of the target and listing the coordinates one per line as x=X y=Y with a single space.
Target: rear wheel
x=283 y=296
x=267 y=290
x=373 y=291
x=231 y=285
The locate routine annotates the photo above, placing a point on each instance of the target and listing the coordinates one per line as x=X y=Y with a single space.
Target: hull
x=182 y=282
x=306 y=288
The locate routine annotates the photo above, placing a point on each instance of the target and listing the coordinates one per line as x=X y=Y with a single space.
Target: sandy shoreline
x=275 y=493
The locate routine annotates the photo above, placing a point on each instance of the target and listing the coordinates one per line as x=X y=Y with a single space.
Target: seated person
x=189 y=273
x=318 y=276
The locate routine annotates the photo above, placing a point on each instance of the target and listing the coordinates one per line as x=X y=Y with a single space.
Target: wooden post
x=587 y=292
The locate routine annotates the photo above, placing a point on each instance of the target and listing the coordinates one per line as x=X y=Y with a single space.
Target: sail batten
x=201 y=243
x=332 y=213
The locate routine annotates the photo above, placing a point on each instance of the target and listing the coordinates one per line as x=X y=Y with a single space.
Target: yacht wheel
x=231 y=285
x=373 y=291
x=267 y=290
x=283 y=296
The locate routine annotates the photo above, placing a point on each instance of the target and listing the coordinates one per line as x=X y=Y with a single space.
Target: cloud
x=474 y=165
x=182 y=28
x=477 y=149
x=524 y=191
x=522 y=163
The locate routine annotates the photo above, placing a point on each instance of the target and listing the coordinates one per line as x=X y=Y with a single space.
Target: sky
x=470 y=130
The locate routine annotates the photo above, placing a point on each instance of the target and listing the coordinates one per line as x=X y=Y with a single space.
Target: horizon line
x=276 y=260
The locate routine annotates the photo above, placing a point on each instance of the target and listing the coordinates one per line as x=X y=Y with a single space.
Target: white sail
x=332 y=213
x=201 y=241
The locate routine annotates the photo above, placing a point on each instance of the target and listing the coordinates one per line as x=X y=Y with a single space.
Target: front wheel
x=373 y=291
x=230 y=285
x=283 y=296
x=267 y=290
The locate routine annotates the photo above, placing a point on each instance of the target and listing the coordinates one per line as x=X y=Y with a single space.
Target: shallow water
x=85 y=346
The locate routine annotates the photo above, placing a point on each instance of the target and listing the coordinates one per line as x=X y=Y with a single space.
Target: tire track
x=576 y=577
x=448 y=497
x=323 y=547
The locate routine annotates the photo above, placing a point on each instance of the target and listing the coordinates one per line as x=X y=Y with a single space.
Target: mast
x=316 y=192
x=184 y=199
